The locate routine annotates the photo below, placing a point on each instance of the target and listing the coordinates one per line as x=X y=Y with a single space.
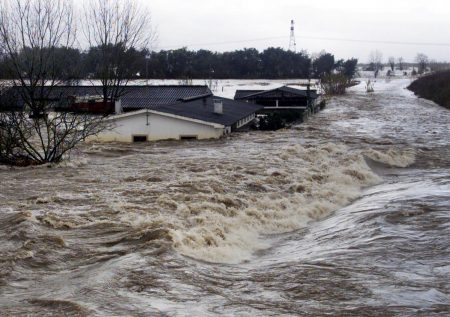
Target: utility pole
x=292 y=43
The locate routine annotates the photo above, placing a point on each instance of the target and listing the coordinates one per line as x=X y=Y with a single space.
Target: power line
x=375 y=41
x=227 y=42
x=313 y=38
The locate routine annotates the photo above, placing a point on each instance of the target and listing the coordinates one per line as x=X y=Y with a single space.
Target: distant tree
x=116 y=29
x=132 y=63
x=323 y=64
x=401 y=63
x=204 y=61
x=279 y=63
x=376 y=61
x=247 y=62
x=391 y=62
x=422 y=62
x=349 y=68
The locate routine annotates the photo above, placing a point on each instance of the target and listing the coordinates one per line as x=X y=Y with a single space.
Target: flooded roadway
x=345 y=215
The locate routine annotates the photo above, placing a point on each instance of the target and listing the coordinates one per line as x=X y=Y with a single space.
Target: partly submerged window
x=139 y=138
x=188 y=137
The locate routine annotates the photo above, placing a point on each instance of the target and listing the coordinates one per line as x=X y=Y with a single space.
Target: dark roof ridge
x=209 y=94
x=266 y=91
x=284 y=88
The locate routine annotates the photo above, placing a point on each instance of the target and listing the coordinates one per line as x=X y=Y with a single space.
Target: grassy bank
x=434 y=87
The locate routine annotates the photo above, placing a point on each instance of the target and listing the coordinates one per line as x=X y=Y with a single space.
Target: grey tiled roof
x=137 y=97
x=203 y=109
x=154 y=96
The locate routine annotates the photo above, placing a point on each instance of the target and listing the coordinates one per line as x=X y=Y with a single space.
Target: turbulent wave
x=392 y=157
x=308 y=183
x=217 y=210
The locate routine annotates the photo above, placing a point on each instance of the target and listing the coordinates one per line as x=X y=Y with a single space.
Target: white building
x=150 y=125
x=201 y=117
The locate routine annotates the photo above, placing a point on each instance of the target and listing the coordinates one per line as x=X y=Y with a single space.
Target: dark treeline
x=246 y=63
x=272 y=63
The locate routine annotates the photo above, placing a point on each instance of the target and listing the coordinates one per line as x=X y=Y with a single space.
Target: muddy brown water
x=345 y=215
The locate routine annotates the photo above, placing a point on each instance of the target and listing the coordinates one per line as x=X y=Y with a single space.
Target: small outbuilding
x=285 y=97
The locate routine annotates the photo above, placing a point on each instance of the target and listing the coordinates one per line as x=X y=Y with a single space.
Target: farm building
x=198 y=117
x=279 y=99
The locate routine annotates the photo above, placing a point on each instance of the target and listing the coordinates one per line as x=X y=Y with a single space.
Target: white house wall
x=159 y=128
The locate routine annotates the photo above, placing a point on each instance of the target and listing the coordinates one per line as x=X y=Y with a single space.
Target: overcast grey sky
x=243 y=23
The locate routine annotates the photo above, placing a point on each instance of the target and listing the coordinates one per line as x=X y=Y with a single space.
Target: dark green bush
x=277 y=120
x=435 y=87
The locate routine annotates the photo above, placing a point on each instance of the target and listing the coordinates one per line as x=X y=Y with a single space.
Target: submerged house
x=197 y=117
x=281 y=99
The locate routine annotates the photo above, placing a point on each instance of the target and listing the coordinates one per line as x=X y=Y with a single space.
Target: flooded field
x=347 y=214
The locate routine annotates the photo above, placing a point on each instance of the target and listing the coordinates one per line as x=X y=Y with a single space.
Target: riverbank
x=435 y=87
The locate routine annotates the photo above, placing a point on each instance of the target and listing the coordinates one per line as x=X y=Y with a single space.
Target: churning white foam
x=291 y=187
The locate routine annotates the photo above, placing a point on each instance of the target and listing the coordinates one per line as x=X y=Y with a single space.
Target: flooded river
x=347 y=214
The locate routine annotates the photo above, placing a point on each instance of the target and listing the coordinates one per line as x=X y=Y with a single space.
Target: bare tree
x=116 y=28
x=401 y=63
x=334 y=84
x=30 y=30
x=25 y=141
x=391 y=62
x=31 y=132
x=376 y=61
x=422 y=62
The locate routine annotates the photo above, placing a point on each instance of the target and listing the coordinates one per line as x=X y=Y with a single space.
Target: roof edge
x=165 y=114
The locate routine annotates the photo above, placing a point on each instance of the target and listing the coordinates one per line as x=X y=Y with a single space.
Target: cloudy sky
x=347 y=28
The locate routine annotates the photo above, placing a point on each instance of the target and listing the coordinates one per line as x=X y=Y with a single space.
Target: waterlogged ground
x=346 y=215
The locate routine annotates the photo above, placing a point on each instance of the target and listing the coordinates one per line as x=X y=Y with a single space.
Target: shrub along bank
x=435 y=87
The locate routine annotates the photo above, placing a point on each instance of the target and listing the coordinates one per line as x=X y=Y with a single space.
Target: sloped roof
x=138 y=97
x=155 y=96
x=251 y=94
x=241 y=93
x=134 y=97
x=202 y=108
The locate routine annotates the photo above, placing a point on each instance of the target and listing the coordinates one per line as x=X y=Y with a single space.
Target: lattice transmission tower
x=292 y=43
